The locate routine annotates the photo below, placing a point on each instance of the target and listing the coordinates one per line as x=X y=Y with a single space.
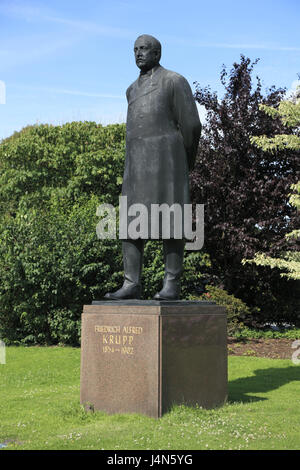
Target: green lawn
x=39 y=409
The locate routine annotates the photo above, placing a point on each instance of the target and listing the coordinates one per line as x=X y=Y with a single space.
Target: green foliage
x=236 y=309
x=195 y=268
x=64 y=325
x=245 y=191
x=295 y=198
x=77 y=158
x=51 y=263
x=289 y=112
x=153 y=270
x=252 y=333
x=278 y=142
x=52 y=179
x=197 y=265
x=289 y=262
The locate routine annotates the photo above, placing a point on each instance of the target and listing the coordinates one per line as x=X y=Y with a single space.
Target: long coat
x=162 y=135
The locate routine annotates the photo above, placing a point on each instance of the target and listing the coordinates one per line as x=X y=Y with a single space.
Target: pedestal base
x=145 y=356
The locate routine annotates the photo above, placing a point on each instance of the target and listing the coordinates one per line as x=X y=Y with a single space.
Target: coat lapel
x=141 y=89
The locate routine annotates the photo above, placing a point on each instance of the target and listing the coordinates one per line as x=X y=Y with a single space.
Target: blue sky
x=64 y=60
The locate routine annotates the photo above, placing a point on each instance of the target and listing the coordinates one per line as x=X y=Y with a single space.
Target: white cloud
x=193 y=42
x=39 y=14
x=70 y=92
x=44 y=14
x=20 y=51
x=90 y=27
x=23 y=11
x=268 y=47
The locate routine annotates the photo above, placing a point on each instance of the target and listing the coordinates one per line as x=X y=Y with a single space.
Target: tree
x=244 y=189
x=52 y=179
x=76 y=158
x=289 y=112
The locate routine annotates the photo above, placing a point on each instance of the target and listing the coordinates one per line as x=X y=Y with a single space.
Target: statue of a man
x=162 y=135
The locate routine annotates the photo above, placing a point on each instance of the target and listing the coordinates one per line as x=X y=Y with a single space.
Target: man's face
x=146 y=56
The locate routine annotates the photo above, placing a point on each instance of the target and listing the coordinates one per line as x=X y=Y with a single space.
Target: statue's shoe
x=126 y=292
x=170 y=291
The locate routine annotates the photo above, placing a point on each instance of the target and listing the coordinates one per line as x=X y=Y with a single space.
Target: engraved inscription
x=117 y=339
x=107 y=329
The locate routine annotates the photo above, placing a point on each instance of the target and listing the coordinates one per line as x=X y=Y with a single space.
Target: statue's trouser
x=173 y=259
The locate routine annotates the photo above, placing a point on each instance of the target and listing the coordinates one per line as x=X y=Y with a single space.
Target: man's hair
x=153 y=41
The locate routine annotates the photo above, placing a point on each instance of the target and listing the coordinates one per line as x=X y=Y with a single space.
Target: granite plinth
x=182 y=303
x=145 y=356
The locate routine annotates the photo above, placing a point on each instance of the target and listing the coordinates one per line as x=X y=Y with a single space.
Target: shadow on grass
x=263 y=381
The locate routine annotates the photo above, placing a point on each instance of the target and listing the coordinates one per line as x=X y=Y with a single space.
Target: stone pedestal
x=145 y=356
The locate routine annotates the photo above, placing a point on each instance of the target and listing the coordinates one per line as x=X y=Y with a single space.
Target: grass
x=39 y=409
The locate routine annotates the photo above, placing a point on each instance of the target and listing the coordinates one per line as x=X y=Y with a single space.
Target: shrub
x=253 y=333
x=52 y=178
x=51 y=263
x=245 y=191
x=195 y=268
x=237 y=311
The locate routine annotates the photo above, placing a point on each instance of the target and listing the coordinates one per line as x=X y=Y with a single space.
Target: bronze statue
x=162 y=135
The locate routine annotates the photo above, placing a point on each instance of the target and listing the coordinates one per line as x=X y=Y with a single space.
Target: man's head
x=147 y=52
